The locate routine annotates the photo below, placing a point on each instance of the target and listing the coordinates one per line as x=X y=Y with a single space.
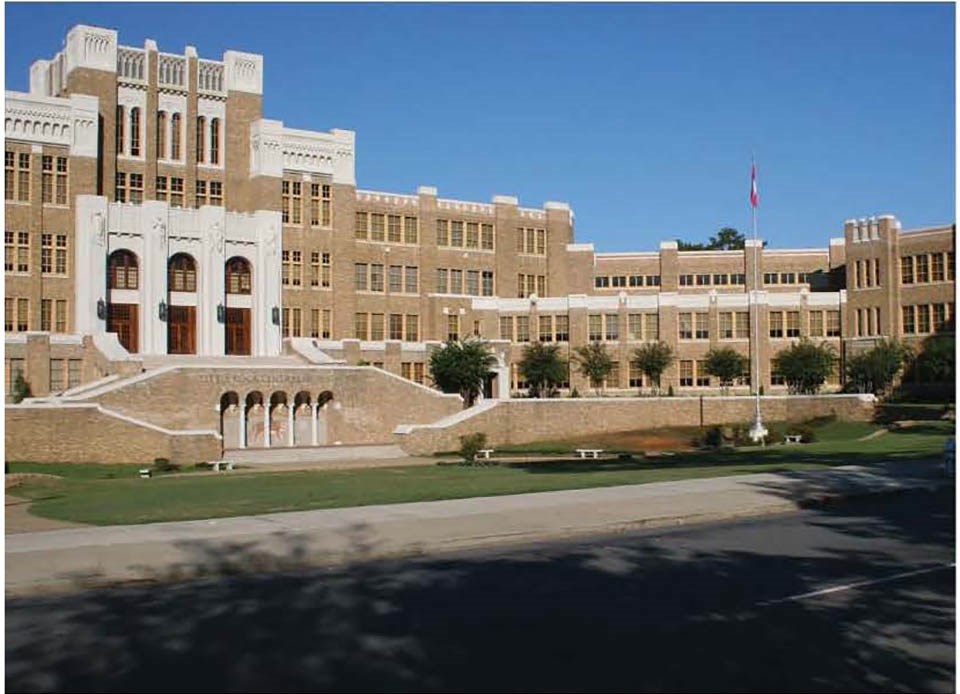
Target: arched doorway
x=230 y=420
x=281 y=420
x=303 y=414
x=238 y=278
x=255 y=419
x=123 y=274
x=181 y=317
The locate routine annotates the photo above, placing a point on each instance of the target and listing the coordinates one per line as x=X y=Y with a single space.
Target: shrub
x=470 y=445
x=164 y=465
x=713 y=438
x=670 y=391
x=574 y=393
x=805 y=432
x=21 y=389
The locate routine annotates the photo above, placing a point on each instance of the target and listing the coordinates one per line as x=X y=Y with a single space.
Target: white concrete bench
x=228 y=464
x=792 y=438
x=589 y=452
x=485 y=453
x=146 y=472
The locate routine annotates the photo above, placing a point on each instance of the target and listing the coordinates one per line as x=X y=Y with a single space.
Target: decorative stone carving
x=160 y=229
x=100 y=229
x=219 y=241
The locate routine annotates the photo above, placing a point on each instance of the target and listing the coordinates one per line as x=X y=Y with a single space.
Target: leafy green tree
x=595 y=363
x=805 y=366
x=727 y=364
x=653 y=359
x=461 y=367
x=937 y=360
x=543 y=369
x=727 y=239
x=21 y=389
x=874 y=371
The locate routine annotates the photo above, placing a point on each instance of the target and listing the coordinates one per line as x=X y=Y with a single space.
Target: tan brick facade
x=445 y=282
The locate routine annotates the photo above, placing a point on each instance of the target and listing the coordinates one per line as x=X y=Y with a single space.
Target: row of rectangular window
x=551 y=328
x=606 y=281
x=927 y=267
x=64 y=373
x=531 y=284
x=291 y=269
x=321 y=323
x=531 y=241
x=412 y=371
x=53 y=182
x=706 y=280
x=380 y=227
x=170 y=189
x=456 y=233
x=321 y=203
x=783 y=278
x=922 y=319
x=867 y=321
x=370 y=277
x=392 y=326
x=866 y=273
x=53 y=252
x=469 y=282
x=53 y=315
x=17 y=176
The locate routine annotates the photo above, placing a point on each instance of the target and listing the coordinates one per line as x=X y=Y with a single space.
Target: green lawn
x=92 y=497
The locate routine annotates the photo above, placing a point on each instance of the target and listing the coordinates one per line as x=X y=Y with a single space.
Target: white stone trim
x=464 y=206
x=70 y=122
x=243 y=72
x=580 y=248
x=376 y=196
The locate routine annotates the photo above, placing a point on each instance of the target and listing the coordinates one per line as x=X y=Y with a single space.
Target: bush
x=713 y=438
x=470 y=445
x=670 y=391
x=21 y=389
x=574 y=393
x=806 y=433
x=164 y=465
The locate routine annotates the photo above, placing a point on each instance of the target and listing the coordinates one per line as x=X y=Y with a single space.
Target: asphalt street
x=856 y=596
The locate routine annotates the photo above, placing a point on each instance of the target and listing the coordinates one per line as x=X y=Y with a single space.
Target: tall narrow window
x=215 y=141
x=46 y=178
x=201 y=139
x=135 y=132
x=121 y=129
x=161 y=134
x=8 y=170
x=182 y=273
x=23 y=177
x=175 y=136
x=238 y=276
x=410 y=232
x=61 y=191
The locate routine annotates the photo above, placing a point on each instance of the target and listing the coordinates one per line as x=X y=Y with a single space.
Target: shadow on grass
x=690 y=610
x=717 y=459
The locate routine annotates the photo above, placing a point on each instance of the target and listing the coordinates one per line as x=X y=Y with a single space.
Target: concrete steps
x=318 y=454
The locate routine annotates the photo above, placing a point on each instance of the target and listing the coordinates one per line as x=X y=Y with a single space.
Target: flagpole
x=757 y=432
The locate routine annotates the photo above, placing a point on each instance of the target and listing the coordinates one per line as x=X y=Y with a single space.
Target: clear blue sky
x=643 y=117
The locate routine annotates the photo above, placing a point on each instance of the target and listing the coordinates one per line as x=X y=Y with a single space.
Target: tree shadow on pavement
x=698 y=609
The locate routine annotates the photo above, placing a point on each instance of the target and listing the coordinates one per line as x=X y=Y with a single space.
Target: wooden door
x=182 y=330
x=122 y=320
x=238 y=331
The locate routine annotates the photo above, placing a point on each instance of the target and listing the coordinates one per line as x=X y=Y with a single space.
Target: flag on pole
x=754 y=193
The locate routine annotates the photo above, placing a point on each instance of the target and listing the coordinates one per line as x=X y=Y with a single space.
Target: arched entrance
x=230 y=428
x=123 y=273
x=181 y=310
x=255 y=419
x=238 y=278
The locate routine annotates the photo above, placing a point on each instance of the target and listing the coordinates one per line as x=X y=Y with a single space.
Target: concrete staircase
x=319 y=454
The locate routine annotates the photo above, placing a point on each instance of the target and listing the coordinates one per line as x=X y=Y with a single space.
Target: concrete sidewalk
x=66 y=559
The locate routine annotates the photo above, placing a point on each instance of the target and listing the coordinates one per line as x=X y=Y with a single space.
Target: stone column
x=266 y=426
x=243 y=426
x=289 y=425
x=314 y=412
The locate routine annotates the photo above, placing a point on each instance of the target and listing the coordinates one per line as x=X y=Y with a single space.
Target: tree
x=727 y=239
x=543 y=369
x=653 y=359
x=727 y=364
x=21 y=389
x=875 y=370
x=937 y=360
x=595 y=363
x=461 y=367
x=805 y=366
